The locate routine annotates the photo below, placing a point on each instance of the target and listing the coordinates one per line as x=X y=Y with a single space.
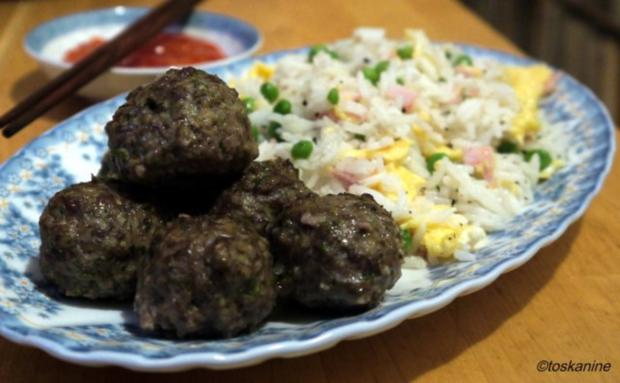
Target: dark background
x=581 y=37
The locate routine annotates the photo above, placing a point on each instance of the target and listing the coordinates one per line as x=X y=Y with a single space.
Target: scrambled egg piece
x=425 y=116
x=551 y=169
x=453 y=154
x=340 y=114
x=529 y=85
x=418 y=40
x=344 y=116
x=412 y=183
x=393 y=157
x=261 y=70
x=396 y=152
x=511 y=186
x=258 y=70
x=428 y=147
x=442 y=240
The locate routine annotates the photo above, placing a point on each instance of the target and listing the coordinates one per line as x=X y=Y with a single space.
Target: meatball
x=92 y=236
x=205 y=277
x=265 y=189
x=336 y=252
x=186 y=125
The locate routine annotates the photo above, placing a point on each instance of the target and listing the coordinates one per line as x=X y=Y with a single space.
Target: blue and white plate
x=91 y=334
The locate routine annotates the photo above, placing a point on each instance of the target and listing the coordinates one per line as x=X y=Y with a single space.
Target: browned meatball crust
x=336 y=252
x=263 y=192
x=92 y=237
x=207 y=277
x=185 y=125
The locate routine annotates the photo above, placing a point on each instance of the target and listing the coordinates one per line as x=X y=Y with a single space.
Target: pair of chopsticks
x=93 y=65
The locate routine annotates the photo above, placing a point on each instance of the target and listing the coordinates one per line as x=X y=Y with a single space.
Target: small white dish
x=49 y=42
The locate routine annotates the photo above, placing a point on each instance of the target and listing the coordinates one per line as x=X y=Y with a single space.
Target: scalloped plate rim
x=331 y=336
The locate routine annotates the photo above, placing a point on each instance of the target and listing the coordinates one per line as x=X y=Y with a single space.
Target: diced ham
x=350 y=95
x=467 y=71
x=404 y=95
x=355 y=111
x=551 y=83
x=472 y=92
x=457 y=96
x=482 y=159
x=346 y=179
x=329 y=114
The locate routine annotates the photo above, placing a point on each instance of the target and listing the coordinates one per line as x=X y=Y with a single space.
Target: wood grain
x=561 y=305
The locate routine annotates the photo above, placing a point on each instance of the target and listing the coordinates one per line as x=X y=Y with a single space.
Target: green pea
x=371 y=75
x=283 y=107
x=543 y=156
x=255 y=133
x=314 y=50
x=250 y=104
x=382 y=66
x=321 y=48
x=360 y=137
x=302 y=149
x=273 y=131
x=432 y=159
x=333 y=96
x=463 y=60
x=507 y=147
x=269 y=91
x=400 y=81
x=407 y=239
x=405 y=52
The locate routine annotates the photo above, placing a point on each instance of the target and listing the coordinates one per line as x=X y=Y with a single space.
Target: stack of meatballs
x=205 y=240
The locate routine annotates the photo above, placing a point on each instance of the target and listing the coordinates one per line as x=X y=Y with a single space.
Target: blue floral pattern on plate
x=92 y=334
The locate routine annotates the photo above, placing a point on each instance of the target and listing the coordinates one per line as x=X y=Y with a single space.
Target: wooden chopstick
x=93 y=65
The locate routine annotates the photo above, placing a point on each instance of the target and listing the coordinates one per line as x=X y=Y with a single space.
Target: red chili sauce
x=167 y=49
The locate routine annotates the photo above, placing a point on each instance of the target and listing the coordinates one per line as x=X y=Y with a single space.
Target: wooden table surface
x=560 y=306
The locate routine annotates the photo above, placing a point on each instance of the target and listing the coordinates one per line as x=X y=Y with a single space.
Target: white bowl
x=49 y=42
